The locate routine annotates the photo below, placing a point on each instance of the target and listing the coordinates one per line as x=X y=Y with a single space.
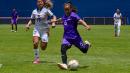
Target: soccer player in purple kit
x=14 y=20
x=71 y=36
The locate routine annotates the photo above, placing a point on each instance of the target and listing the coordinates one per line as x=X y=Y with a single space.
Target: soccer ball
x=73 y=64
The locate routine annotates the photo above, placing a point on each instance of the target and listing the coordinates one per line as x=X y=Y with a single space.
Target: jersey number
x=38 y=19
x=65 y=23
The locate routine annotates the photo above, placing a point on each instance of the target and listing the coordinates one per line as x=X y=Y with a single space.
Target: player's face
x=40 y=3
x=118 y=11
x=67 y=9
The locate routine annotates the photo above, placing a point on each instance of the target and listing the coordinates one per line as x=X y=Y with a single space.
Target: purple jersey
x=70 y=25
x=14 y=15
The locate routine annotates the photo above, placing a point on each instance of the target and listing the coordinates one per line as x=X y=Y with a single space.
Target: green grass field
x=108 y=54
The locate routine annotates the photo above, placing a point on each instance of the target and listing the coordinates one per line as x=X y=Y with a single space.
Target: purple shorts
x=76 y=42
x=14 y=21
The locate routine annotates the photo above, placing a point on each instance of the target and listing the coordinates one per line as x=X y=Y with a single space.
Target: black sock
x=64 y=59
x=64 y=49
x=12 y=27
x=15 y=27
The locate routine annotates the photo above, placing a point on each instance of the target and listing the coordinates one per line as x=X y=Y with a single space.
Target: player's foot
x=36 y=61
x=62 y=66
x=87 y=42
x=12 y=30
x=15 y=31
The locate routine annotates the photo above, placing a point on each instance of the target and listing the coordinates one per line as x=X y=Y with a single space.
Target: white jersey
x=40 y=17
x=117 y=18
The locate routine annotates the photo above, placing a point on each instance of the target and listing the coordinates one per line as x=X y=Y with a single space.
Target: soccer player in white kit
x=41 y=28
x=117 y=22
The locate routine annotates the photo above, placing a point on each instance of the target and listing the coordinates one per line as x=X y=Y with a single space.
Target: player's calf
x=64 y=49
x=35 y=44
x=43 y=45
x=84 y=47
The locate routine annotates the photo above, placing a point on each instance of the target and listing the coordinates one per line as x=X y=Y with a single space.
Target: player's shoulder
x=75 y=15
x=44 y=9
x=115 y=13
x=34 y=11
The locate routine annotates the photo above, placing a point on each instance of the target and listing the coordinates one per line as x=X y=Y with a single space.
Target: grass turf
x=108 y=54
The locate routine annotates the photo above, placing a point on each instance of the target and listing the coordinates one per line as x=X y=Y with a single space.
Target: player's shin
x=36 y=53
x=63 y=54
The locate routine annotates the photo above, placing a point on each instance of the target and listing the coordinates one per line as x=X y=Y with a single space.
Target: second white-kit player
x=41 y=29
x=117 y=22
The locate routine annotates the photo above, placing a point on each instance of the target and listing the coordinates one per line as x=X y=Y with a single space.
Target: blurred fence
x=89 y=20
x=104 y=20
x=7 y=20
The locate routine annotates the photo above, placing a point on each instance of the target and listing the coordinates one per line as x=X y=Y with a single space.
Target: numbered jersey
x=40 y=17
x=117 y=18
x=70 y=25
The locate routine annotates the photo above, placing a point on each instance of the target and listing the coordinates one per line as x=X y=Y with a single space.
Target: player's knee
x=35 y=44
x=43 y=46
x=64 y=48
x=85 y=48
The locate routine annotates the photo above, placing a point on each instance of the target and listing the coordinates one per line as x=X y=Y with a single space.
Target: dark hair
x=74 y=8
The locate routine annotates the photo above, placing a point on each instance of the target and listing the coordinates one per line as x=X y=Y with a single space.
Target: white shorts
x=117 y=23
x=42 y=35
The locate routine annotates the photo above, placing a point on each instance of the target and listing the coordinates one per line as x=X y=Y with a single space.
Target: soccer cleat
x=62 y=66
x=12 y=30
x=15 y=31
x=87 y=42
x=36 y=61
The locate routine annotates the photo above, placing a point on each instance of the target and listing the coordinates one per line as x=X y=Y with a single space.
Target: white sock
x=36 y=53
x=118 y=32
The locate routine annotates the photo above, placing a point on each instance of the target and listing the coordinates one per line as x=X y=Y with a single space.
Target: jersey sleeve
x=49 y=12
x=32 y=15
x=120 y=15
x=76 y=16
x=114 y=15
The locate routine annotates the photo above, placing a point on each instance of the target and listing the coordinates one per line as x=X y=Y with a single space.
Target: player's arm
x=53 y=21
x=28 y=25
x=57 y=20
x=30 y=21
x=121 y=18
x=17 y=17
x=114 y=17
x=84 y=24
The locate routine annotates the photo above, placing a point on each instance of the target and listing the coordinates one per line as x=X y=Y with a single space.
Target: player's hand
x=53 y=25
x=88 y=27
x=27 y=27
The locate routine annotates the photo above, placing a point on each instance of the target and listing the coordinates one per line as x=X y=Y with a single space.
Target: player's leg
x=12 y=28
x=35 y=46
x=44 y=41
x=15 y=26
x=81 y=45
x=118 y=29
x=115 y=29
x=64 y=47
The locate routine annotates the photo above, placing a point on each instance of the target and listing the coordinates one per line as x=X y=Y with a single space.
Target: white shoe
x=36 y=61
x=12 y=30
x=15 y=31
x=62 y=66
x=87 y=42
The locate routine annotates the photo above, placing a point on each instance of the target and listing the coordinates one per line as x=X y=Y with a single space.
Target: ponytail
x=48 y=4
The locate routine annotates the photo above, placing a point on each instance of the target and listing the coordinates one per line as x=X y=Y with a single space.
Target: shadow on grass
x=83 y=67
x=80 y=67
x=42 y=62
